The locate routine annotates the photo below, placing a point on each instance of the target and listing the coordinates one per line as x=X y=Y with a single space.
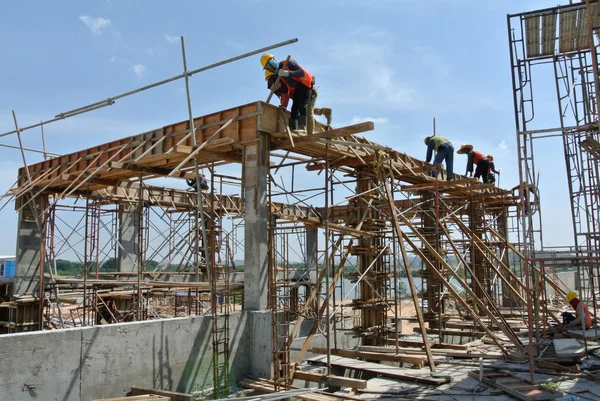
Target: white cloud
x=155 y=51
x=364 y=54
x=171 y=39
x=502 y=145
x=96 y=25
x=115 y=59
x=138 y=69
x=376 y=120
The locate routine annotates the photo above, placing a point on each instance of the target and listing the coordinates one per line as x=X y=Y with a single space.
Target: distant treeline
x=68 y=268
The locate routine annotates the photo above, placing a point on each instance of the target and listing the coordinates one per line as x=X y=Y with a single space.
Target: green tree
x=403 y=290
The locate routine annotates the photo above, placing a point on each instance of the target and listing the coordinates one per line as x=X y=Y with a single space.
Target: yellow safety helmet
x=427 y=138
x=490 y=156
x=571 y=296
x=268 y=74
x=264 y=59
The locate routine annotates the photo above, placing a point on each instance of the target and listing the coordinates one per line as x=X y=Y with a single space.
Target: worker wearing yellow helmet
x=299 y=84
x=582 y=317
x=281 y=90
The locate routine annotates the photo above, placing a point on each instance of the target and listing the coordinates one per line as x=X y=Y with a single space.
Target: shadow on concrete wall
x=78 y=373
x=198 y=366
x=162 y=372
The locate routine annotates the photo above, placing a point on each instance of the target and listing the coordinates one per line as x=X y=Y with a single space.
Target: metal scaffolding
x=346 y=220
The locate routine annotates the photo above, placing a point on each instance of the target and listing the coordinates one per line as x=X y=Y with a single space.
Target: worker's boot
x=301 y=129
x=293 y=124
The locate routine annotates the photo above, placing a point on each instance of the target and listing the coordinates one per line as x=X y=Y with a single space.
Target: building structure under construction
x=293 y=269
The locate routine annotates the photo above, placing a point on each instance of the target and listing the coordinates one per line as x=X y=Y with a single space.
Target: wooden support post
x=467 y=267
x=411 y=282
x=552 y=284
x=482 y=247
x=506 y=330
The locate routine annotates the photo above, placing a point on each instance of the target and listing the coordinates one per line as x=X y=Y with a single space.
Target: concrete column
x=129 y=226
x=312 y=243
x=30 y=243
x=255 y=170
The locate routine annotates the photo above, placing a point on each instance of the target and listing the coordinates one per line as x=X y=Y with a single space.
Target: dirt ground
x=406 y=308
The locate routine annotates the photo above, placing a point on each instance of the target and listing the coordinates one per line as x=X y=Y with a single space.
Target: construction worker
x=281 y=90
x=444 y=151
x=528 y=195
x=582 y=314
x=302 y=82
x=475 y=158
x=193 y=182
x=492 y=170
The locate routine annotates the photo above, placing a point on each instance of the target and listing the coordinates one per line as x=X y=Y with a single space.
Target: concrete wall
x=89 y=363
x=319 y=341
x=566 y=281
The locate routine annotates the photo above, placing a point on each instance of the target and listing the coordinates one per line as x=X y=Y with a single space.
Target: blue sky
x=397 y=62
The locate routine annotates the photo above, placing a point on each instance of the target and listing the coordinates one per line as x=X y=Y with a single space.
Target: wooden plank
x=147 y=169
x=335 y=133
x=435 y=352
x=268 y=387
x=330 y=379
x=173 y=396
x=332 y=226
x=373 y=356
x=137 y=398
x=458 y=333
x=513 y=385
x=383 y=370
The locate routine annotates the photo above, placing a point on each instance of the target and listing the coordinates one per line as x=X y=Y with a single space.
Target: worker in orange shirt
x=294 y=76
x=582 y=314
x=284 y=93
x=475 y=158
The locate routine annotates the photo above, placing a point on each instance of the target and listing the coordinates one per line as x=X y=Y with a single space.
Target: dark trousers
x=445 y=152
x=482 y=170
x=300 y=101
x=567 y=318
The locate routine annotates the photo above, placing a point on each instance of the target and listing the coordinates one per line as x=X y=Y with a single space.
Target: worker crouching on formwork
x=475 y=158
x=299 y=85
x=582 y=317
x=444 y=151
